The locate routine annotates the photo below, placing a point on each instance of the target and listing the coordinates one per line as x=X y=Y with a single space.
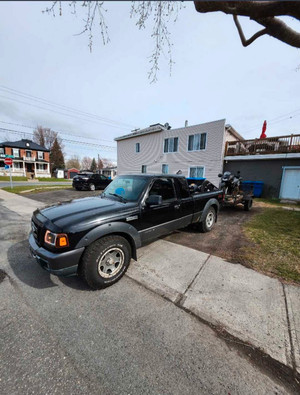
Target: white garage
x=290 y=183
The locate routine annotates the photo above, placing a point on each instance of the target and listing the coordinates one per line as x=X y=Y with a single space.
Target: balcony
x=267 y=146
x=29 y=158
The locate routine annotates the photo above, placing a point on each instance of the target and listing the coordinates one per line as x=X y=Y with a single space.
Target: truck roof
x=153 y=175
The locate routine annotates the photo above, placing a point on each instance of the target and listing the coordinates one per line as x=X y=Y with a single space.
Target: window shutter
x=191 y=142
x=166 y=145
x=203 y=141
x=175 y=144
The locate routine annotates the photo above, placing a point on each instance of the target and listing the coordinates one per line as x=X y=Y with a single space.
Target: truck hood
x=78 y=214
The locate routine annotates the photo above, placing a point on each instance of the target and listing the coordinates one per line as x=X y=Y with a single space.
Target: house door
x=29 y=167
x=290 y=183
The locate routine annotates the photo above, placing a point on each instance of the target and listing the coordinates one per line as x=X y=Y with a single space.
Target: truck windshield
x=129 y=188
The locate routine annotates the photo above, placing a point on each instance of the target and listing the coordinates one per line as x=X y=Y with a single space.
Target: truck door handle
x=177 y=206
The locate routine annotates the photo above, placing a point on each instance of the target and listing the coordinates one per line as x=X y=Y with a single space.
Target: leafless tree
x=46 y=137
x=161 y=13
x=73 y=162
x=86 y=163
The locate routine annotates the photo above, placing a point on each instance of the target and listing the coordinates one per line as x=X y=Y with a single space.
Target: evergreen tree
x=93 y=165
x=56 y=156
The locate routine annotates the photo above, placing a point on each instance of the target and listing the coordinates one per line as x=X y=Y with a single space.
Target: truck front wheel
x=208 y=221
x=105 y=261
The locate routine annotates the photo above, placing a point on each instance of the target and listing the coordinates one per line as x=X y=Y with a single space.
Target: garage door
x=290 y=184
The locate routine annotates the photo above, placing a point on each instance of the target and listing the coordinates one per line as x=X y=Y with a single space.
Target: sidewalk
x=250 y=306
x=255 y=309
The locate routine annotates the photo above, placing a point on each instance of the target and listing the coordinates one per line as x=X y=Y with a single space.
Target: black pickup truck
x=96 y=237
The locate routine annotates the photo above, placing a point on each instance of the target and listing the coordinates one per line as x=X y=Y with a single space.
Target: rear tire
x=248 y=205
x=208 y=221
x=105 y=261
x=92 y=187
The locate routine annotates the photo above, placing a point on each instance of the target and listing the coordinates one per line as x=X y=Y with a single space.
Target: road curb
x=286 y=374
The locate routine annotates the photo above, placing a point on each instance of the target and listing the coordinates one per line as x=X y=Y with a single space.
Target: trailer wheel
x=248 y=205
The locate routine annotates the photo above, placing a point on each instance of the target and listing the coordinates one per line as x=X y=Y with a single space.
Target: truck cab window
x=163 y=187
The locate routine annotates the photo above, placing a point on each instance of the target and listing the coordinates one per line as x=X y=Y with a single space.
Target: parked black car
x=96 y=237
x=90 y=181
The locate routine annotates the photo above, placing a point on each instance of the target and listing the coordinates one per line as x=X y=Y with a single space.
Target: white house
x=198 y=150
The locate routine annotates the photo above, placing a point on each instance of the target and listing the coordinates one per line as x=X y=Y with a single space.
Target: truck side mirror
x=154 y=200
x=220 y=175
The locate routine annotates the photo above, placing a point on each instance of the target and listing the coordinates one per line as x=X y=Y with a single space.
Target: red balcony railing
x=269 y=145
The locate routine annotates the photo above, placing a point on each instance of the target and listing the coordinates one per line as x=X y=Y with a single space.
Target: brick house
x=30 y=159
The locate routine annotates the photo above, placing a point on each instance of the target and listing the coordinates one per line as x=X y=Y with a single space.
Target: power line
x=101 y=146
x=61 y=113
x=277 y=119
x=60 y=106
x=60 y=131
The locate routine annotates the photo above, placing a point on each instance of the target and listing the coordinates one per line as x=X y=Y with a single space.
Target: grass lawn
x=22 y=190
x=276 y=202
x=7 y=178
x=275 y=237
x=53 y=179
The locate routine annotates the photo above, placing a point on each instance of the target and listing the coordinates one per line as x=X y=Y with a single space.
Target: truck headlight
x=58 y=240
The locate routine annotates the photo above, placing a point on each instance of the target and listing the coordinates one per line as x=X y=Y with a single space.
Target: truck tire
x=105 y=261
x=92 y=187
x=248 y=205
x=208 y=221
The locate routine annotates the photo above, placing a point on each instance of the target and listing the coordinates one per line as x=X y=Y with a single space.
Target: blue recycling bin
x=255 y=186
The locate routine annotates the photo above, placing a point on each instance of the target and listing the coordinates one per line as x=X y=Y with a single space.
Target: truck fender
x=121 y=228
x=211 y=202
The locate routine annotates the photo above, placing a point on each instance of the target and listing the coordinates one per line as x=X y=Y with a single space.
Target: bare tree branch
x=262 y=12
x=244 y=41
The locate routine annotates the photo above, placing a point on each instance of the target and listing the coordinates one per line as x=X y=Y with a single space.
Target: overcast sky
x=213 y=77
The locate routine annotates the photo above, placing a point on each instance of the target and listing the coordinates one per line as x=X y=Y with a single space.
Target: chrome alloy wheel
x=111 y=262
x=210 y=219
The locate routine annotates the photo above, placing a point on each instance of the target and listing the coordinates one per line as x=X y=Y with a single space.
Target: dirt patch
x=63 y=195
x=226 y=240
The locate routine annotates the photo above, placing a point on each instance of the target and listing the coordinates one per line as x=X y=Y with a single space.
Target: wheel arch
x=211 y=203
x=117 y=228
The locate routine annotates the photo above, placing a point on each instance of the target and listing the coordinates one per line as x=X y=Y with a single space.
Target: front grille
x=36 y=231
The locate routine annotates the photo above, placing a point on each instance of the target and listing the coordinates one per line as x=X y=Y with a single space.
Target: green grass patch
x=26 y=189
x=7 y=178
x=275 y=234
x=53 y=179
x=276 y=202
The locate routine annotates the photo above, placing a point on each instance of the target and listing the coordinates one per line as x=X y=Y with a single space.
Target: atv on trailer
x=233 y=191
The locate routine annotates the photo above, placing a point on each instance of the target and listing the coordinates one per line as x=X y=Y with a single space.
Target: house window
x=28 y=154
x=197 y=172
x=1 y=150
x=165 y=169
x=16 y=152
x=171 y=144
x=18 y=165
x=40 y=155
x=144 y=169
x=137 y=147
x=197 y=142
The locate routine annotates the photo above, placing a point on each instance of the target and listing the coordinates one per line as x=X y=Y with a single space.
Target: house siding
x=152 y=151
x=268 y=170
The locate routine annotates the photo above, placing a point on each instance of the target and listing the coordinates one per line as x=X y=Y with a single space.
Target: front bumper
x=61 y=264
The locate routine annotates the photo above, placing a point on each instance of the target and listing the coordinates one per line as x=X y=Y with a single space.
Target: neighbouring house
x=274 y=160
x=70 y=173
x=196 y=151
x=30 y=159
x=109 y=172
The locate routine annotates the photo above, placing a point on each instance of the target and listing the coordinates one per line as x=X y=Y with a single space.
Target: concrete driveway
x=57 y=336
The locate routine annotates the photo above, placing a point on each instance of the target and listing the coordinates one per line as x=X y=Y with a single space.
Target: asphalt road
x=57 y=336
